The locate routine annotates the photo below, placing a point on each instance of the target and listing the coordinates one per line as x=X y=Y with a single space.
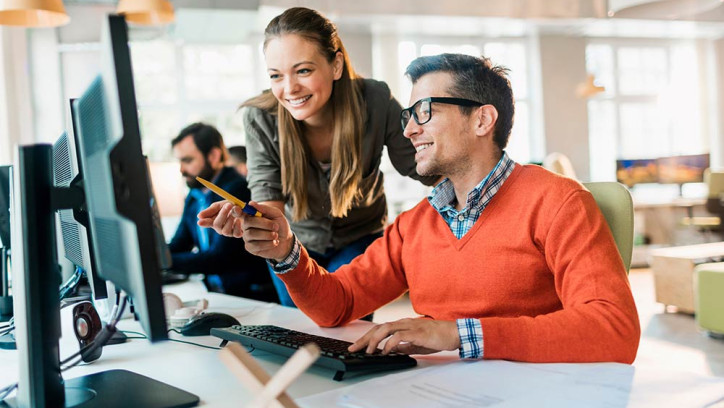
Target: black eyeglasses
x=422 y=112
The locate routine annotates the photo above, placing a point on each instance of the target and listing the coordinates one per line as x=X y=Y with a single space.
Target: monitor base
x=7 y=342
x=110 y=389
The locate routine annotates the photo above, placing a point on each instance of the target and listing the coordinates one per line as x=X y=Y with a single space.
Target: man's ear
x=214 y=157
x=486 y=117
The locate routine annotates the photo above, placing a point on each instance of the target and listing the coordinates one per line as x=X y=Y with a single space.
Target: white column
x=563 y=66
x=16 y=118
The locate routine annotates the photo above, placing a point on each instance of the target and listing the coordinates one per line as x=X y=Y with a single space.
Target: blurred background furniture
x=559 y=163
x=673 y=270
x=710 y=224
x=709 y=295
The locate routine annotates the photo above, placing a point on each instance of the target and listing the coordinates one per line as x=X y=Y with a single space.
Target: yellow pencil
x=220 y=191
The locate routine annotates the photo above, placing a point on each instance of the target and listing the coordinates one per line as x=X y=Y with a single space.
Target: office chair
x=709 y=298
x=709 y=277
x=715 y=186
x=559 y=163
x=615 y=203
x=710 y=224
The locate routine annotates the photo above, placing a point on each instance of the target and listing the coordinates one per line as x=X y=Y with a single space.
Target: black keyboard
x=334 y=353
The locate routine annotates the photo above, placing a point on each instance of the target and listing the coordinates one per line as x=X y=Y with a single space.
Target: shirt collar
x=443 y=197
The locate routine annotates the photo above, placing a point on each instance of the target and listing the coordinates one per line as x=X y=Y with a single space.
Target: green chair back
x=615 y=203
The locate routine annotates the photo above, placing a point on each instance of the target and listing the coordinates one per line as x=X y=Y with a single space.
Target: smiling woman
x=315 y=140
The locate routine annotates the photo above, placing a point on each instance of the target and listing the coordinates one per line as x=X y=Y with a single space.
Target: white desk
x=199 y=371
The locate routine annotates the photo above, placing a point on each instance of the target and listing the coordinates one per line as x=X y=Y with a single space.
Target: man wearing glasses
x=502 y=260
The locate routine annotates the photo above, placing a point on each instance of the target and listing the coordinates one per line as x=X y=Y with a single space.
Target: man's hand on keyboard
x=411 y=336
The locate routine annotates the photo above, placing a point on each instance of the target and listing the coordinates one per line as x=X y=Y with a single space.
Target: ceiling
x=233 y=19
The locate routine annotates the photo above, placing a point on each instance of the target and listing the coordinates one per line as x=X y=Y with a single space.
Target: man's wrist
x=290 y=247
x=290 y=261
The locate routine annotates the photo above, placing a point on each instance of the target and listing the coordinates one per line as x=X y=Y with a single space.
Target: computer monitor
x=5 y=206
x=74 y=223
x=636 y=171
x=165 y=260
x=682 y=169
x=6 y=301
x=116 y=192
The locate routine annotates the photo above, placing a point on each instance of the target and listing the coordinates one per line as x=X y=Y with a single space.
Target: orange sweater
x=539 y=269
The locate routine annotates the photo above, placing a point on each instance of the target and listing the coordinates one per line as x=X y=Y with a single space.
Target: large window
x=651 y=106
x=177 y=84
x=403 y=193
x=512 y=54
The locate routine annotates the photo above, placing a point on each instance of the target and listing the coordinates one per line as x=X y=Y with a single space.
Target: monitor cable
x=190 y=342
x=71 y=283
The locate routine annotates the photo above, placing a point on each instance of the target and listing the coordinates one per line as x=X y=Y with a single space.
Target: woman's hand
x=221 y=218
x=268 y=236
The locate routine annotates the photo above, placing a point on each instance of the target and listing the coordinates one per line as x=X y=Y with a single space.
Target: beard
x=206 y=173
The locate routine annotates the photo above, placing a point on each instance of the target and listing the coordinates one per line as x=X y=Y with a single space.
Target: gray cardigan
x=368 y=213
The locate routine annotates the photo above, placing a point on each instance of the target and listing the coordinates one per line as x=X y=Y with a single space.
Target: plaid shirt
x=443 y=200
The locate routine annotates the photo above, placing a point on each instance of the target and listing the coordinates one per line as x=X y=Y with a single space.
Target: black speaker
x=86 y=326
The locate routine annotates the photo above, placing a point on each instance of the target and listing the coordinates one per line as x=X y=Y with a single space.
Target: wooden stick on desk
x=293 y=368
x=249 y=372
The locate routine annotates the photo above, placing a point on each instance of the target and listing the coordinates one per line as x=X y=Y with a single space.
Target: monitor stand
x=37 y=319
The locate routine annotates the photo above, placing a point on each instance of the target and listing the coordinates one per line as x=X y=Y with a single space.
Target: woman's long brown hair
x=348 y=113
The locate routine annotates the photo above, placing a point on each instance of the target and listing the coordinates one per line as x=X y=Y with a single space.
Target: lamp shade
x=146 y=12
x=33 y=13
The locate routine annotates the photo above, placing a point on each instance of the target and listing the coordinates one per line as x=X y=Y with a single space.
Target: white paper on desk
x=507 y=384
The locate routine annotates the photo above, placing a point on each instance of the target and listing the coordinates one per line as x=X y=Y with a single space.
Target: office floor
x=670 y=341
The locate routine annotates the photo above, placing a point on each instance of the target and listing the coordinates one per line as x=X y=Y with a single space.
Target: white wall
x=563 y=66
x=717 y=139
x=359 y=48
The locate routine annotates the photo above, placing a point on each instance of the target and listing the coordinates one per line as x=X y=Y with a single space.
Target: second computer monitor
x=5 y=206
x=116 y=183
x=74 y=223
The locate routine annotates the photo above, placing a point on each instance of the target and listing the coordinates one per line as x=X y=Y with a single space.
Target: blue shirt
x=238 y=270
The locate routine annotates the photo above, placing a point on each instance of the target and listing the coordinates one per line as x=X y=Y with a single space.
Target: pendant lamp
x=146 y=12
x=588 y=88
x=33 y=13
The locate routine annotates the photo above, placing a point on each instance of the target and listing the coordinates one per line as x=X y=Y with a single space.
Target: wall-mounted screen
x=682 y=169
x=637 y=171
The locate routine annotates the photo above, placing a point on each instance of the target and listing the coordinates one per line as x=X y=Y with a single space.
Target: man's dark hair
x=474 y=78
x=238 y=153
x=206 y=137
